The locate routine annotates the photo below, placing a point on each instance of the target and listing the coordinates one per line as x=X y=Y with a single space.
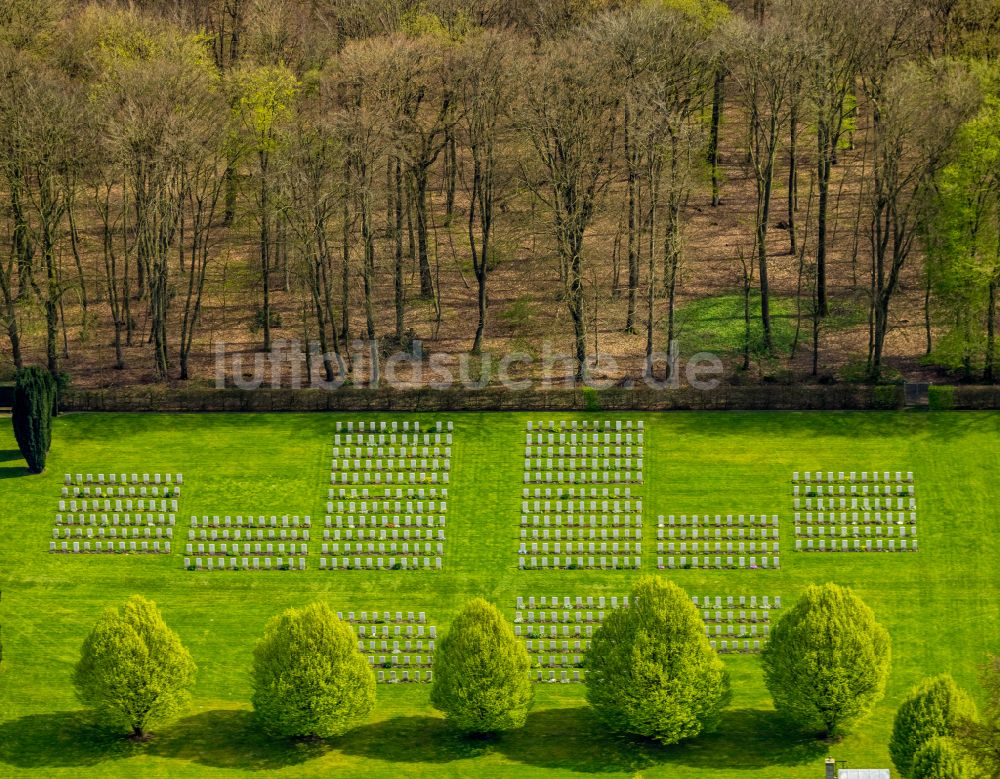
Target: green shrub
x=888 y=396
x=939 y=759
x=941 y=397
x=34 y=402
x=591 y=400
x=936 y=707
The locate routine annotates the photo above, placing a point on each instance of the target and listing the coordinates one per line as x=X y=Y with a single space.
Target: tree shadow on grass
x=573 y=739
x=750 y=739
x=61 y=739
x=417 y=739
x=230 y=738
x=9 y=455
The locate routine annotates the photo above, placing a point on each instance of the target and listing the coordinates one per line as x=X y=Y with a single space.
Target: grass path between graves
x=941 y=605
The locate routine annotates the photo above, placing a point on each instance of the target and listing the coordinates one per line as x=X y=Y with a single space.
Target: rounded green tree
x=936 y=707
x=980 y=738
x=481 y=680
x=309 y=679
x=133 y=670
x=650 y=669
x=827 y=661
x=939 y=759
x=34 y=401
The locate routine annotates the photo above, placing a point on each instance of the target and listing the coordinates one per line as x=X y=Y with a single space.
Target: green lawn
x=941 y=605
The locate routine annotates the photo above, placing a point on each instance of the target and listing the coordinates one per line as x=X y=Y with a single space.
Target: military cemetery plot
x=713 y=542
x=387 y=508
x=116 y=513
x=602 y=527
x=740 y=624
x=393 y=455
x=872 y=511
x=557 y=630
x=391 y=528
x=248 y=543
x=399 y=645
x=587 y=452
x=578 y=521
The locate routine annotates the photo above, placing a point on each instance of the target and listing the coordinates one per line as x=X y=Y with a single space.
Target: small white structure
x=832 y=772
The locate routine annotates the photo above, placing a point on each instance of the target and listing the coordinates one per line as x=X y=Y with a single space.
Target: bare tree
x=837 y=33
x=621 y=40
x=768 y=59
x=366 y=138
x=488 y=89
x=919 y=110
x=46 y=107
x=422 y=132
x=203 y=185
x=262 y=98
x=314 y=183
x=569 y=116
x=15 y=268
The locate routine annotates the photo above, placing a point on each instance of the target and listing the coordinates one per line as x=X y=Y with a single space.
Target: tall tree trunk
x=397 y=234
x=326 y=272
x=111 y=275
x=420 y=204
x=718 y=90
x=74 y=238
x=631 y=206
x=747 y=265
x=823 y=170
x=47 y=208
x=793 y=177
x=576 y=306
x=672 y=238
x=51 y=320
x=991 y=315
x=345 y=258
x=652 y=177
x=265 y=248
x=451 y=174
x=21 y=237
x=13 y=334
x=230 y=199
x=764 y=212
x=368 y=274
x=480 y=254
x=929 y=346
x=880 y=327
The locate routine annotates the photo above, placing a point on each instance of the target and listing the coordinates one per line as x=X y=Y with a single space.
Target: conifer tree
x=34 y=401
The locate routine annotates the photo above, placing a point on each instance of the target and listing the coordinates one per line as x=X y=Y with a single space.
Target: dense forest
x=810 y=188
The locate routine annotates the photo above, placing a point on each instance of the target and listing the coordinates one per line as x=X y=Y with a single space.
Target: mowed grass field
x=941 y=605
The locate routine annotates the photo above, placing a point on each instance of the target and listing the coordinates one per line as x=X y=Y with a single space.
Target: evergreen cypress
x=34 y=401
